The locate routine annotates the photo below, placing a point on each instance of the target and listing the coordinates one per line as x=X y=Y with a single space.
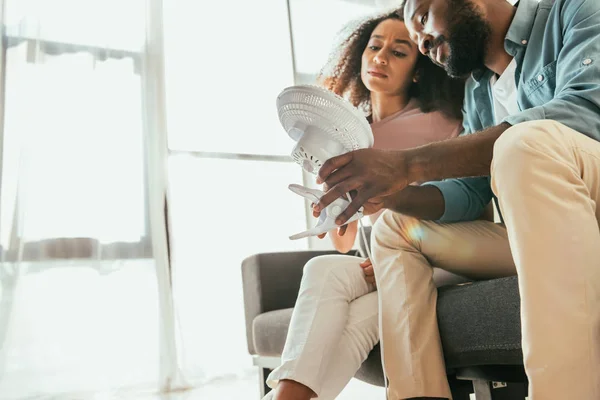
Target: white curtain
x=85 y=296
x=229 y=164
x=85 y=303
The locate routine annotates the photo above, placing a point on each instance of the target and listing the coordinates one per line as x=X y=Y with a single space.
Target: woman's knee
x=334 y=270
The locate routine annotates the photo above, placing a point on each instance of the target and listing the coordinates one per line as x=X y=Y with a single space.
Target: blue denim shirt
x=556 y=44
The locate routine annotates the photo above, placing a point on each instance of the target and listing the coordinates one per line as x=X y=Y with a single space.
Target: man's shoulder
x=569 y=9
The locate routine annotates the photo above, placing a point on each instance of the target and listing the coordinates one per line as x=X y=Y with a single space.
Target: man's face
x=453 y=33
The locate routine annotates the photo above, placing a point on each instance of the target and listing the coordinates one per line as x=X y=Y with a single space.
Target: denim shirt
x=556 y=44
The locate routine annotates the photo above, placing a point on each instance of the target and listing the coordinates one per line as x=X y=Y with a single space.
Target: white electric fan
x=324 y=125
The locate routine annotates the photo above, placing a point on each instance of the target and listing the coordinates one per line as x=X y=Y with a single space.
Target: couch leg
x=263 y=373
x=482 y=389
x=461 y=389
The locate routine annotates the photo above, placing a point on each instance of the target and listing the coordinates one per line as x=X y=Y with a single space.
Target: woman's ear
x=416 y=77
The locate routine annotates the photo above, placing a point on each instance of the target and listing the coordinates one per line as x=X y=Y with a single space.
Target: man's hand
x=367 y=267
x=369 y=173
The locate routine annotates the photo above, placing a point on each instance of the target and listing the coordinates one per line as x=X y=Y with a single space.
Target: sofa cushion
x=479 y=323
x=269 y=331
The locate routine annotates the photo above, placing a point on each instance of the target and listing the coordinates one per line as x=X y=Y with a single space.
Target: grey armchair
x=479 y=324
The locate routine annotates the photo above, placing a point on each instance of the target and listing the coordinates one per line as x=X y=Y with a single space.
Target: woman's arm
x=344 y=243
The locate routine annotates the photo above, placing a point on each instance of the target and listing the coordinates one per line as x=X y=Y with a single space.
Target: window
x=78 y=284
x=73 y=129
x=229 y=168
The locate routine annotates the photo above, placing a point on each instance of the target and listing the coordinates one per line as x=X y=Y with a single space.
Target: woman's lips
x=377 y=74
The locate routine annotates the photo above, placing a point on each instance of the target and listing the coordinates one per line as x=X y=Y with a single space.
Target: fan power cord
x=368 y=250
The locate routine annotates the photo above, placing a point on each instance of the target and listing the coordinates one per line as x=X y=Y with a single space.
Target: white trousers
x=334 y=325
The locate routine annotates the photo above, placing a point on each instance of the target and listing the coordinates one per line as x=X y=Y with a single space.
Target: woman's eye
x=375 y=48
x=424 y=19
x=398 y=54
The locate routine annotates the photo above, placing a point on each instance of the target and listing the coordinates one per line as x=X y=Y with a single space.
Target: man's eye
x=424 y=19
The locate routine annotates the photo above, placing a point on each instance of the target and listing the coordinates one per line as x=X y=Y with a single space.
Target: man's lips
x=435 y=53
x=438 y=54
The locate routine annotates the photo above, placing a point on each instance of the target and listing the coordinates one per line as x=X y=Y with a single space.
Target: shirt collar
x=518 y=33
x=521 y=25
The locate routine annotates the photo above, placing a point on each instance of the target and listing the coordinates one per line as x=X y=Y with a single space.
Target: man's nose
x=425 y=43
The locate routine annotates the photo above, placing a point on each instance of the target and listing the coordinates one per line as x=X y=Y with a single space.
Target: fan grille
x=308 y=105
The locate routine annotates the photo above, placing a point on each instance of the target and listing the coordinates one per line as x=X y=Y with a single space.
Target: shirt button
x=540 y=78
x=587 y=61
x=524 y=41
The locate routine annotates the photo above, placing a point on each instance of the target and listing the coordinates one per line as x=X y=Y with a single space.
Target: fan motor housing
x=314 y=148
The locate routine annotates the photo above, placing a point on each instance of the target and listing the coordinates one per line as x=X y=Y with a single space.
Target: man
x=532 y=126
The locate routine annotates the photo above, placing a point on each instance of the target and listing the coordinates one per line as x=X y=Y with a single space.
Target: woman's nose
x=380 y=58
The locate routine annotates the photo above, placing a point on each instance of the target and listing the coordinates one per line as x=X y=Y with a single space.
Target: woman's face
x=389 y=60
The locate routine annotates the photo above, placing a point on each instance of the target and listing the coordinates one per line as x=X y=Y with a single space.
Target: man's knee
x=394 y=232
x=394 y=229
x=519 y=146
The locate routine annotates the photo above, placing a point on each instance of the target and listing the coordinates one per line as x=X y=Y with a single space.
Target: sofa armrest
x=271 y=281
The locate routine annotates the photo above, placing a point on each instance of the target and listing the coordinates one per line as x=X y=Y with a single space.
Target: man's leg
x=547 y=178
x=404 y=251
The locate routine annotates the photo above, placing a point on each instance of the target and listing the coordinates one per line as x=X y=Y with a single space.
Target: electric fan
x=324 y=125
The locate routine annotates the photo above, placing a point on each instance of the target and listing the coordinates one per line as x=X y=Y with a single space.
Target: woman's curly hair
x=435 y=90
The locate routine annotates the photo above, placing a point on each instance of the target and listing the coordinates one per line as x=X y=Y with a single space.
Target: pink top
x=410 y=127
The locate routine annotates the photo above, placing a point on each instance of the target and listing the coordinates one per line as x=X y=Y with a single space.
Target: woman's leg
x=360 y=335
x=328 y=325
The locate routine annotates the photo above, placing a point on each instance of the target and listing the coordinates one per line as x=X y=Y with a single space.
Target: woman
x=410 y=102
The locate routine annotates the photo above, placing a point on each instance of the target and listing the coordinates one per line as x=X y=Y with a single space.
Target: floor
x=248 y=389
x=63 y=327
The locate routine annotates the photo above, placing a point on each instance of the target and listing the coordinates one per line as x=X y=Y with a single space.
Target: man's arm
x=465 y=156
x=379 y=173
x=422 y=202
x=452 y=200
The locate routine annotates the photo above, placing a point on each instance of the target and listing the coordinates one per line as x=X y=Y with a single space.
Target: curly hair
x=436 y=91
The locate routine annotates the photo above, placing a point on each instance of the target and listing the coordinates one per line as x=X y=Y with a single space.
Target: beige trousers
x=547 y=179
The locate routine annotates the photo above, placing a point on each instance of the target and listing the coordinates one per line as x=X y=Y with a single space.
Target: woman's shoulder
x=442 y=122
x=415 y=119
x=414 y=128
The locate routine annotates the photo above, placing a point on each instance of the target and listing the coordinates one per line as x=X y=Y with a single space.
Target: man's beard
x=468 y=35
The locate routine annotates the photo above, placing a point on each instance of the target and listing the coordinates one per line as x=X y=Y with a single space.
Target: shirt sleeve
x=576 y=102
x=465 y=199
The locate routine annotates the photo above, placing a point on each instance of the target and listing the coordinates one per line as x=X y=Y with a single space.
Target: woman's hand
x=341 y=230
x=367 y=267
x=372 y=206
